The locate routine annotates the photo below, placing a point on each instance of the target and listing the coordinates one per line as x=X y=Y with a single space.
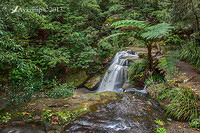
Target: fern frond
x=129 y=23
x=113 y=35
x=157 y=31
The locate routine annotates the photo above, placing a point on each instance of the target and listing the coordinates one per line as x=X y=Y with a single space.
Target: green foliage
x=195 y=123
x=136 y=71
x=166 y=67
x=190 y=53
x=5 y=117
x=144 y=30
x=159 y=122
x=183 y=103
x=130 y=23
x=62 y=116
x=174 y=40
x=37 y=46
x=55 y=56
x=64 y=90
x=157 y=31
x=160 y=130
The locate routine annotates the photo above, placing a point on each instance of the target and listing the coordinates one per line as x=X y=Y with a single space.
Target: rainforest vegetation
x=44 y=42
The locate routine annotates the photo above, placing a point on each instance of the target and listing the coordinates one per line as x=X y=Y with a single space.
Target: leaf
x=113 y=35
x=157 y=31
x=130 y=23
x=26 y=113
x=54 y=123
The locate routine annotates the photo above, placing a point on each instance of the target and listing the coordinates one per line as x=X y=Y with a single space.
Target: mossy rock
x=54 y=111
x=78 y=79
x=93 y=82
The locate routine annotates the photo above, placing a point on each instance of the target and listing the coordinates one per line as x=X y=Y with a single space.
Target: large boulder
x=78 y=79
x=93 y=83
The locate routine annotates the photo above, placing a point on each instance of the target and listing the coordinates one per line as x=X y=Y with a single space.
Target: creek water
x=131 y=113
x=116 y=74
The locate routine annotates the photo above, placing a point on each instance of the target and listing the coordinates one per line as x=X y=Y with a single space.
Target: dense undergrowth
x=180 y=103
x=190 y=53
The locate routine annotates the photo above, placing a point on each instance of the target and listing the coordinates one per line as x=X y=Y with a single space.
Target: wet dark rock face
x=24 y=129
x=130 y=114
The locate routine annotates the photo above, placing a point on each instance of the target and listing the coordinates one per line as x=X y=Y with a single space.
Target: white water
x=116 y=74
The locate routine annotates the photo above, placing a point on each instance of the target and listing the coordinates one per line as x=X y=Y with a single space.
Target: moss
x=78 y=78
x=93 y=82
x=54 y=111
x=112 y=20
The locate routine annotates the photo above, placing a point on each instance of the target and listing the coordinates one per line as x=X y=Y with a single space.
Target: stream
x=133 y=112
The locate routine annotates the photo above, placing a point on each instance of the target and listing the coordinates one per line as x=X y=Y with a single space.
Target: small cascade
x=116 y=74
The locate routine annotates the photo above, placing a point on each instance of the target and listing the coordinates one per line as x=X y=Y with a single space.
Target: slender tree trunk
x=149 y=60
x=197 y=22
x=149 y=67
x=198 y=29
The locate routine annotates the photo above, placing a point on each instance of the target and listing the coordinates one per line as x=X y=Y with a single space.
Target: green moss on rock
x=93 y=82
x=78 y=78
x=55 y=111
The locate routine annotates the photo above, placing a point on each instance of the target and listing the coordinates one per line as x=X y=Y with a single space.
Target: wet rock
x=127 y=85
x=93 y=83
x=130 y=114
x=56 y=110
x=78 y=78
x=130 y=52
x=24 y=129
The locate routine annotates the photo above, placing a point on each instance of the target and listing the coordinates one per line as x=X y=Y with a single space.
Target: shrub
x=190 y=53
x=160 y=129
x=64 y=90
x=136 y=71
x=195 y=123
x=183 y=103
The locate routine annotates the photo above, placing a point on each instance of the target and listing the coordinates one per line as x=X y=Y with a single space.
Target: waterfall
x=116 y=74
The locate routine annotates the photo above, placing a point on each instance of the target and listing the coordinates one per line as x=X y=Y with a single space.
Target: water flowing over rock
x=130 y=114
x=116 y=74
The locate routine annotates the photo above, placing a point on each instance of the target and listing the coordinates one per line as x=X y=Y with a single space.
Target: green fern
x=113 y=35
x=157 y=31
x=130 y=23
x=190 y=53
x=149 y=32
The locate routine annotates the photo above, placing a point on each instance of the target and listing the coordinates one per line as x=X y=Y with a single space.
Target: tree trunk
x=149 y=60
x=149 y=67
x=198 y=30
x=197 y=22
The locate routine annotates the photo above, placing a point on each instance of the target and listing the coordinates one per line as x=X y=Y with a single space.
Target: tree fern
x=130 y=23
x=113 y=35
x=142 y=31
x=157 y=31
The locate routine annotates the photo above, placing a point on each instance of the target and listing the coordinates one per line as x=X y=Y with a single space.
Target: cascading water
x=116 y=74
